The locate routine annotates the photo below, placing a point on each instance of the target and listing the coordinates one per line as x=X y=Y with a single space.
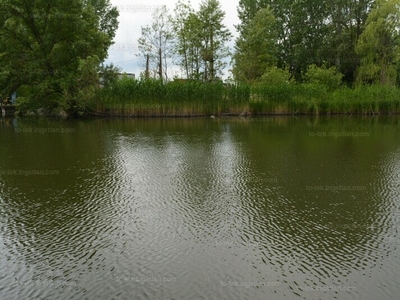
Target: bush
x=274 y=76
x=330 y=78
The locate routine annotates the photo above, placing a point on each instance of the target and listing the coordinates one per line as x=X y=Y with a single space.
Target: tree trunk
x=160 y=63
x=147 y=73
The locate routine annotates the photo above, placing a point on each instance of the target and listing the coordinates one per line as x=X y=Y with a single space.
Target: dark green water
x=272 y=208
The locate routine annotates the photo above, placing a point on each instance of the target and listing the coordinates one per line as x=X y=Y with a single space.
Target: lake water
x=267 y=208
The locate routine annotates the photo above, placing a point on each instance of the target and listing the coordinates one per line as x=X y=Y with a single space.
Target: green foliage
x=185 y=26
x=200 y=40
x=398 y=74
x=310 y=32
x=46 y=43
x=256 y=48
x=329 y=78
x=275 y=76
x=108 y=74
x=379 y=45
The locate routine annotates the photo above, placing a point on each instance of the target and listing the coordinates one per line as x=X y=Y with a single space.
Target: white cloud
x=135 y=14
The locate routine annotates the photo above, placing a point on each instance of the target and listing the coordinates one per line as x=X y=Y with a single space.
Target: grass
x=128 y=97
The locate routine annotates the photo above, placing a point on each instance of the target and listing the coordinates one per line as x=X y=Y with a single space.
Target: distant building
x=120 y=76
x=129 y=75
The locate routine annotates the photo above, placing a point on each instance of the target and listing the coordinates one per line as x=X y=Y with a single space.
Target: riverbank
x=132 y=98
x=189 y=98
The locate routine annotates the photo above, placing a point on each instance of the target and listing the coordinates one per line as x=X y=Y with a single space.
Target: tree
x=214 y=36
x=247 y=10
x=346 y=23
x=107 y=16
x=313 y=32
x=182 y=31
x=379 y=44
x=256 y=48
x=108 y=74
x=187 y=28
x=155 y=43
x=193 y=26
x=46 y=43
x=301 y=26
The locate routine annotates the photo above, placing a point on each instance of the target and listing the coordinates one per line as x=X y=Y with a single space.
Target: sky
x=137 y=13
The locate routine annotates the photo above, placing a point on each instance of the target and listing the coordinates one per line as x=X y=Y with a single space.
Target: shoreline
x=225 y=115
x=212 y=116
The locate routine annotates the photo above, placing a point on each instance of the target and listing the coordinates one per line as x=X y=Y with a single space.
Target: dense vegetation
x=307 y=56
x=51 y=51
x=130 y=97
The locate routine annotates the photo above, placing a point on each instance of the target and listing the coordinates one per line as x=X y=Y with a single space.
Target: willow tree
x=379 y=44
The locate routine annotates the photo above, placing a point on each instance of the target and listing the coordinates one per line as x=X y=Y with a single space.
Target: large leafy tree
x=107 y=16
x=379 y=44
x=214 y=36
x=247 y=10
x=48 y=46
x=256 y=48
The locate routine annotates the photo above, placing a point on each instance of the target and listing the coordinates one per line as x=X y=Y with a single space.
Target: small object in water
x=212 y=117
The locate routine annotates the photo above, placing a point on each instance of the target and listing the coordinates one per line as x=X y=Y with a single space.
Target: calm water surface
x=269 y=208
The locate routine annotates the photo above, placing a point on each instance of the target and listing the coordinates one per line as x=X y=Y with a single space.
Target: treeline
x=360 y=39
x=305 y=56
x=196 y=41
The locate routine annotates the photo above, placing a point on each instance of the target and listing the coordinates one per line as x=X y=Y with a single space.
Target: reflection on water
x=266 y=208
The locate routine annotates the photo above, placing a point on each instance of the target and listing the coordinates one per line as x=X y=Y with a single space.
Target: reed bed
x=128 y=97
x=318 y=100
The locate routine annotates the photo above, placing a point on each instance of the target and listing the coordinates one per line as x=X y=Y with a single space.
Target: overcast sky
x=137 y=13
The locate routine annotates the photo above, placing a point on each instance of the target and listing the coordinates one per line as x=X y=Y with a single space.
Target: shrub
x=275 y=76
x=330 y=78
